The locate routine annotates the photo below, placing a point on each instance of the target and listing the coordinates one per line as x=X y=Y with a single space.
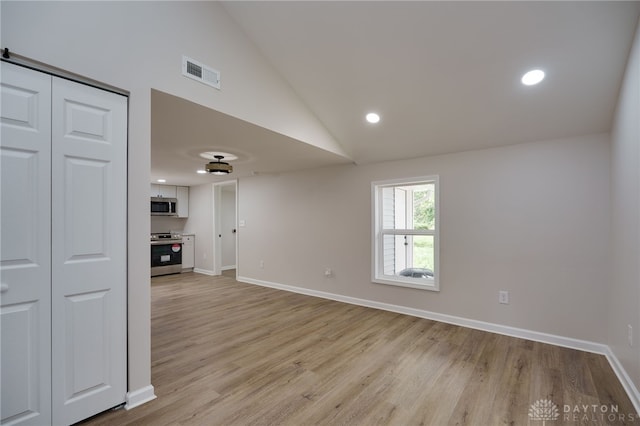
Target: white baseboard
x=551 y=339
x=625 y=380
x=226 y=268
x=139 y=397
x=203 y=271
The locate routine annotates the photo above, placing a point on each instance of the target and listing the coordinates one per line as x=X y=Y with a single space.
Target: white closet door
x=89 y=248
x=25 y=247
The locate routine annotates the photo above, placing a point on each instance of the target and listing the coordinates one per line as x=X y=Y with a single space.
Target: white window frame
x=378 y=233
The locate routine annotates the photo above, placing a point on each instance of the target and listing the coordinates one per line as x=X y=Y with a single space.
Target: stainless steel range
x=166 y=254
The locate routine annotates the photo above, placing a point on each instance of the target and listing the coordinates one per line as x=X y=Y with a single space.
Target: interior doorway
x=225 y=226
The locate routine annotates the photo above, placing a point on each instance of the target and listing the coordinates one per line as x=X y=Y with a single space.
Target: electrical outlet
x=328 y=273
x=630 y=335
x=262 y=264
x=503 y=297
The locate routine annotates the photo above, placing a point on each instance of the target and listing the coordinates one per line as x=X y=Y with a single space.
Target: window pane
x=409 y=207
x=408 y=255
x=422 y=251
x=424 y=207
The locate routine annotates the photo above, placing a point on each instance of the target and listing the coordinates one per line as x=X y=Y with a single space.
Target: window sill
x=431 y=286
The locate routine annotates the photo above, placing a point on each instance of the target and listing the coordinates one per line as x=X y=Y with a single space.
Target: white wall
x=624 y=285
x=200 y=223
x=138 y=46
x=532 y=219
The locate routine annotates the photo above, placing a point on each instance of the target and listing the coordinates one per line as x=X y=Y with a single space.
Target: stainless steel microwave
x=161 y=206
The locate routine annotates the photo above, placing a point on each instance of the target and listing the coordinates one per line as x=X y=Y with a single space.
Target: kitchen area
x=172 y=250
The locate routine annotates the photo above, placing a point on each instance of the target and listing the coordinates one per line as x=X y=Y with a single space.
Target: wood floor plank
x=227 y=353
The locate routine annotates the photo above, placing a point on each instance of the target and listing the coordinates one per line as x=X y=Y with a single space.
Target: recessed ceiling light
x=372 y=117
x=162 y=180
x=532 y=77
x=201 y=172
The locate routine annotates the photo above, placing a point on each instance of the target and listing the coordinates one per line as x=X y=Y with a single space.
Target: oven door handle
x=165 y=242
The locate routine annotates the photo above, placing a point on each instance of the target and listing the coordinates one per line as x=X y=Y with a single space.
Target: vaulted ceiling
x=444 y=76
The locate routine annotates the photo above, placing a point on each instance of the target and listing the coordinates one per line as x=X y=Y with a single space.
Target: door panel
x=89 y=250
x=87 y=122
x=21 y=402
x=25 y=246
x=86 y=219
x=87 y=362
x=20 y=243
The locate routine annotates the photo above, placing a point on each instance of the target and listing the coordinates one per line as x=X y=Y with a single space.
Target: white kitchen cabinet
x=182 y=194
x=188 y=252
x=166 y=191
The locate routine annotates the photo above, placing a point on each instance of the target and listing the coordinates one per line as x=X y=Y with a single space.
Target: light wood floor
x=228 y=353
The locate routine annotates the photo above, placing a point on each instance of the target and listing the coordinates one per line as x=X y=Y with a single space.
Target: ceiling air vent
x=200 y=72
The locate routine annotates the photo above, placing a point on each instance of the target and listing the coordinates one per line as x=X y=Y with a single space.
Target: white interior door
x=89 y=249
x=228 y=226
x=25 y=247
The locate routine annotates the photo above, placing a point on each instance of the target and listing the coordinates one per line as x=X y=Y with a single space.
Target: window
x=405 y=232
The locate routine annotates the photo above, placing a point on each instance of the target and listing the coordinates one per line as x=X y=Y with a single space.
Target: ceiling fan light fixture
x=219 y=168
